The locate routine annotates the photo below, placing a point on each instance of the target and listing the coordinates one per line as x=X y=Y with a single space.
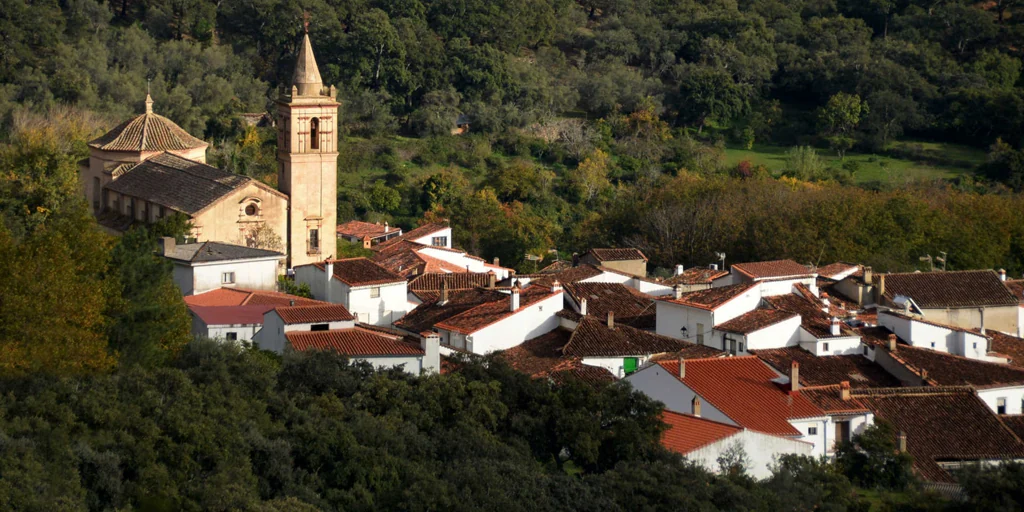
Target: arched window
x=314 y=133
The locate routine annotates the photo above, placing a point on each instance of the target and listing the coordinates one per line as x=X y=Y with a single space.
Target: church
x=149 y=167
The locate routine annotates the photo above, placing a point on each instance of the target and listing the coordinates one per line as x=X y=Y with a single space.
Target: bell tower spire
x=307 y=159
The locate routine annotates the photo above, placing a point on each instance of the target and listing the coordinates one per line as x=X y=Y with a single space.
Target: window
x=824 y=347
x=314 y=241
x=319 y=327
x=439 y=241
x=251 y=209
x=231 y=336
x=700 y=334
x=975 y=345
x=741 y=346
x=842 y=431
x=227 y=278
x=1000 y=406
x=314 y=133
x=865 y=350
x=812 y=431
x=732 y=346
x=375 y=292
x=933 y=344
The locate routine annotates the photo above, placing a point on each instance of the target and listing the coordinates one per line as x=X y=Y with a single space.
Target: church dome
x=147 y=132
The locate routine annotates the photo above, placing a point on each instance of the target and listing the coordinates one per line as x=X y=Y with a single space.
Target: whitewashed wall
x=528 y=322
x=658 y=383
x=1013 y=395
x=762 y=451
x=783 y=287
x=249 y=275
x=614 y=364
x=837 y=346
x=391 y=306
x=934 y=337
x=462 y=260
x=426 y=240
x=824 y=440
x=783 y=334
x=670 y=318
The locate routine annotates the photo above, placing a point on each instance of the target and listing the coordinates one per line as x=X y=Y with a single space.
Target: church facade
x=148 y=168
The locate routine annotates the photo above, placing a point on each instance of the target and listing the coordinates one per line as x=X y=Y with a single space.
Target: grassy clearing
x=918 y=160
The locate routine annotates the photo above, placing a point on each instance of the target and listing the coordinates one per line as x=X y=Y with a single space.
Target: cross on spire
x=149 y=99
x=305 y=21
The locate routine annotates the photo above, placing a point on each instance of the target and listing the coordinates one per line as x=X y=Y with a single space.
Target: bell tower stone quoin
x=307 y=160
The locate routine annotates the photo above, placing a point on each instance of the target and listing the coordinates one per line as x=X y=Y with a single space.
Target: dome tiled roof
x=147 y=132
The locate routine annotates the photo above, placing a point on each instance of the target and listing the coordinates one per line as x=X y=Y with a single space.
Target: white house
x=620 y=349
x=759 y=329
x=775 y=277
x=201 y=267
x=740 y=391
x=380 y=348
x=705 y=442
x=500 y=324
x=372 y=293
x=357 y=231
x=435 y=235
x=921 y=333
x=280 y=321
x=228 y=323
x=692 y=316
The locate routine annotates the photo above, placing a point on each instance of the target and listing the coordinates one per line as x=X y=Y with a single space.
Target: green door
x=629 y=364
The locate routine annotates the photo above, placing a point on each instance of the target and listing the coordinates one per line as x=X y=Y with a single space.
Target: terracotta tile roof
x=834 y=269
x=876 y=336
x=812 y=315
x=240 y=297
x=1011 y=346
x=1015 y=422
x=574 y=369
x=455 y=281
x=617 y=254
x=359 y=229
x=689 y=351
x=830 y=400
x=147 y=132
x=630 y=306
x=231 y=315
x=772 y=269
x=555 y=267
x=695 y=275
x=401 y=258
x=1016 y=287
x=361 y=272
x=711 y=298
x=949 y=370
x=216 y=251
x=485 y=314
x=593 y=338
x=686 y=433
x=755 y=320
x=942 y=423
x=959 y=289
x=314 y=314
x=352 y=342
x=573 y=274
x=743 y=389
x=419 y=232
x=178 y=183
x=859 y=371
x=428 y=314
x=538 y=356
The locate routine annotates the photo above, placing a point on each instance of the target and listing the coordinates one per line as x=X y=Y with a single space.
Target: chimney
x=794 y=377
x=824 y=302
x=583 y=306
x=981 y=311
x=575 y=259
x=679 y=270
x=892 y=343
x=513 y=302
x=611 y=319
x=431 y=345
x=167 y=245
x=835 y=326
x=677 y=291
x=328 y=277
x=868 y=275
x=902 y=441
x=1002 y=274
x=844 y=390
x=385 y=226
x=492 y=280
x=881 y=287
x=367 y=242
x=713 y=266
x=556 y=286
x=497 y=262
x=444 y=293
x=924 y=376
x=291 y=302
x=695 y=406
x=682 y=368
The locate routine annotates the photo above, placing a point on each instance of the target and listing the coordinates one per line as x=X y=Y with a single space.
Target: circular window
x=251 y=210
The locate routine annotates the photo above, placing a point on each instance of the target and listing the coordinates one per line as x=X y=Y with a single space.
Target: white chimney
x=444 y=293
x=431 y=345
x=583 y=306
x=695 y=406
x=1002 y=274
x=556 y=286
x=682 y=368
x=513 y=301
x=794 y=376
x=328 y=276
x=677 y=291
x=824 y=302
x=611 y=319
x=679 y=270
x=835 y=326
x=713 y=266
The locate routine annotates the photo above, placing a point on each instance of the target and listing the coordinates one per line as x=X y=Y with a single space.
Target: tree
x=264 y=237
x=871 y=459
x=839 y=118
x=993 y=488
x=383 y=198
x=709 y=93
x=591 y=175
x=803 y=162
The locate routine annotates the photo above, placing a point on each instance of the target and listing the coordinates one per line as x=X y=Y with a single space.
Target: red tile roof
x=686 y=433
x=574 y=369
x=555 y=267
x=359 y=229
x=488 y=313
x=231 y=315
x=834 y=269
x=617 y=254
x=949 y=370
x=593 y=338
x=942 y=423
x=455 y=281
x=1015 y=422
x=240 y=297
x=352 y=342
x=428 y=314
x=696 y=275
x=1016 y=287
x=959 y=289
x=772 y=269
x=314 y=314
x=711 y=298
x=743 y=389
x=147 y=132
x=630 y=306
x=859 y=371
x=812 y=315
x=1012 y=346
x=538 y=356
x=755 y=320
x=830 y=400
x=362 y=272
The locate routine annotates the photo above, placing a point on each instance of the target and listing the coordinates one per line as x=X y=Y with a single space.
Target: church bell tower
x=307 y=156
